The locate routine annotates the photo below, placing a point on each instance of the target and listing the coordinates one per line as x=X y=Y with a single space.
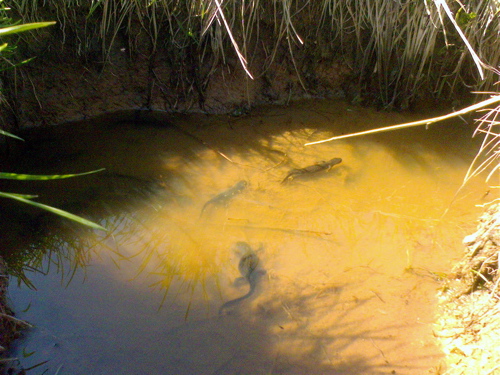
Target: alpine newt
x=225 y=196
x=247 y=266
x=320 y=166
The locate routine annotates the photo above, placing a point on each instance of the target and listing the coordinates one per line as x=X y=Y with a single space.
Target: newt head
x=335 y=161
x=242 y=248
x=241 y=185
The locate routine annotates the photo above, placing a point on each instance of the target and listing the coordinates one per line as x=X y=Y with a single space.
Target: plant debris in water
x=468 y=324
x=10 y=327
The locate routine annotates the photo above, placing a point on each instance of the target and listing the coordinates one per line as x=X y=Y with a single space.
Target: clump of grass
x=395 y=42
x=487 y=157
x=397 y=47
x=8 y=27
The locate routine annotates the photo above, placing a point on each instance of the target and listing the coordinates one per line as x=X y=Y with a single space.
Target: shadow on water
x=336 y=245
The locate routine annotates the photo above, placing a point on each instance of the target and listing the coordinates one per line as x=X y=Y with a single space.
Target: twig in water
x=202 y=142
x=290 y=230
x=380 y=350
x=4 y=360
x=380 y=298
x=19 y=321
x=35 y=366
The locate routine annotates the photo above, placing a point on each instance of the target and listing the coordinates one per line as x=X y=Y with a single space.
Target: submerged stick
x=288 y=230
x=16 y=320
x=426 y=122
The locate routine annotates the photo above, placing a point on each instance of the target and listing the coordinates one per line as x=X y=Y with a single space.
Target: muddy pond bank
x=352 y=256
x=467 y=323
x=110 y=56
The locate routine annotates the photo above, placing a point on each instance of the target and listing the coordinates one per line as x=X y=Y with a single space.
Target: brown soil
x=64 y=85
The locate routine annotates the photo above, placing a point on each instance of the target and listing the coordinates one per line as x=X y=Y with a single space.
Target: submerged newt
x=225 y=196
x=248 y=270
x=320 y=166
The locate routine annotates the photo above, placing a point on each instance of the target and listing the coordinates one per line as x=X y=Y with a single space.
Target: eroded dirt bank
x=106 y=56
x=62 y=86
x=468 y=321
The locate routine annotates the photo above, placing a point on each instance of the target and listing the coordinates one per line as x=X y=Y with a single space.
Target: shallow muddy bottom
x=350 y=258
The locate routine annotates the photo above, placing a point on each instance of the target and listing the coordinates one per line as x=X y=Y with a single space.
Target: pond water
x=349 y=259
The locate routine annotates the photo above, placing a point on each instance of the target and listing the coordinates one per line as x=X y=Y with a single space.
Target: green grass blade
x=94 y=6
x=7 y=134
x=53 y=210
x=38 y=177
x=25 y=196
x=25 y=27
x=14 y=66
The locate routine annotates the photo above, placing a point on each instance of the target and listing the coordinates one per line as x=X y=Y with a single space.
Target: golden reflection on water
x=351 y=254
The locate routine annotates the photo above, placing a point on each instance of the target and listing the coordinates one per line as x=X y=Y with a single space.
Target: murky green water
x=349 y=259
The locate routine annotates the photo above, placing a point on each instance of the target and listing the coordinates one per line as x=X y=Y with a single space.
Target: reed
x=488 y=156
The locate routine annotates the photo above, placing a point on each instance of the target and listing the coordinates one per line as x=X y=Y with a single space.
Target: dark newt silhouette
x=320 y=166
x=225 y=196
x=248 y=269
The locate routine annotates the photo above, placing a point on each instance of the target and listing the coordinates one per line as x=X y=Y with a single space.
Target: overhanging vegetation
x=396 y=50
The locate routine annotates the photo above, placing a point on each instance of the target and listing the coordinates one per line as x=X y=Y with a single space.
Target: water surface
x=352 y=256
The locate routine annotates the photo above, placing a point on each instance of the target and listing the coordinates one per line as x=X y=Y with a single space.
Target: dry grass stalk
x=488 y=152
x=480 y=265
x=425 y=122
